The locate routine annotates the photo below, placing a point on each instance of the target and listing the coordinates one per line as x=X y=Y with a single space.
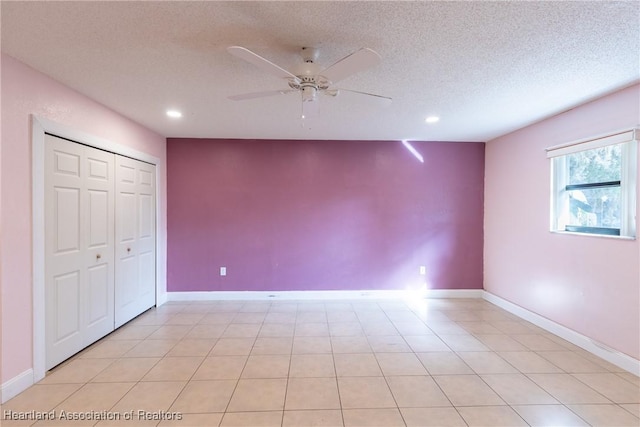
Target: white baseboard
x=16 y=385
x=454 y=293
x=621 y=360
x=321 y=295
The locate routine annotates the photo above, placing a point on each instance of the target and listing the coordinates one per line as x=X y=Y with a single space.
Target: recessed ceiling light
x=174 y=114
x=432 y=119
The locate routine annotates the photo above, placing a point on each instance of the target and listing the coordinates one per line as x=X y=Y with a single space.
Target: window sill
x=603 y=236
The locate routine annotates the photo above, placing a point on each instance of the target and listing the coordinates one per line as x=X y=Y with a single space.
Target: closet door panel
x=126 y=289
x=135 y=238
x=66 y=203
x=63 y=255
x=98 y=244
x=79 y=268
x=147 y=230
x=99 y=295
x=100 y=229
x=147 y=280
x=66 y=325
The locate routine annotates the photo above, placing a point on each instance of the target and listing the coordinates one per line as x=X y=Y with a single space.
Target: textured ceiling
x=486 y=68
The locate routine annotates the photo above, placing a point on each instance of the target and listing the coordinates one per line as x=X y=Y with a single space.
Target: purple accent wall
x=323 y=215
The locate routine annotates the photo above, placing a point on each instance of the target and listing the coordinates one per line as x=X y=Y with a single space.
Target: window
x=593 y=185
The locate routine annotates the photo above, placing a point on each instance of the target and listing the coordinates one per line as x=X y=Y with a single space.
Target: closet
x=99 y=244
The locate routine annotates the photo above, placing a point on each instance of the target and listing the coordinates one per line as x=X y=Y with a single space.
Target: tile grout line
x=382 y=371
x=286 y=388
x=436 y=382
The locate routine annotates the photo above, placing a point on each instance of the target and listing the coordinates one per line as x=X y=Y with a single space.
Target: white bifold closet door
x=100 y=255
x=135 y=289
x=79 y=247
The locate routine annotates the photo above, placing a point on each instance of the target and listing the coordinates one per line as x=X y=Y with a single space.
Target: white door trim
x=39 y=126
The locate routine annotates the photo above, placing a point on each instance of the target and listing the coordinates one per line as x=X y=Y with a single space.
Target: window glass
x=595 y=207
x=598 y=165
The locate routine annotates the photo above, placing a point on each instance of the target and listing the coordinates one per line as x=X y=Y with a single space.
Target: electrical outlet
x=423 y=270
x=223 y=271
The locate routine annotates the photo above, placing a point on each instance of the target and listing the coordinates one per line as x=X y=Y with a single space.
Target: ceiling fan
x=309 y=78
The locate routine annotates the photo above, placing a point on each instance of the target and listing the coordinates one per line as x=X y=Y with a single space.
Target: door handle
x=98 y=256
x=128 y=249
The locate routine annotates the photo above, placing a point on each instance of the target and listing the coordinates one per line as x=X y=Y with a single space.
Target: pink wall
x=24 y=92
x=323 y=215
x=588 y=284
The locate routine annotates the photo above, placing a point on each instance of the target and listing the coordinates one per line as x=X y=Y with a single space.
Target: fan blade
x=260 y=62
x=385 y=99
x=264 y=94
x=310 y=108
x=354 y=63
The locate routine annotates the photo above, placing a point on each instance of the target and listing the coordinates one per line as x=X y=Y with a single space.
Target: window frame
x=558 y=155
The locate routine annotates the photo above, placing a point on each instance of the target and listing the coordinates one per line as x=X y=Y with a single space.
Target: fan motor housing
x=316 y=82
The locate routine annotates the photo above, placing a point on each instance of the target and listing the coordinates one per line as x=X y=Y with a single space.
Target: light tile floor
x=440 y=362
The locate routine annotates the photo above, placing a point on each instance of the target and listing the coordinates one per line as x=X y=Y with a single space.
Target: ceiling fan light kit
x=308 y=93
x=308 y=77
